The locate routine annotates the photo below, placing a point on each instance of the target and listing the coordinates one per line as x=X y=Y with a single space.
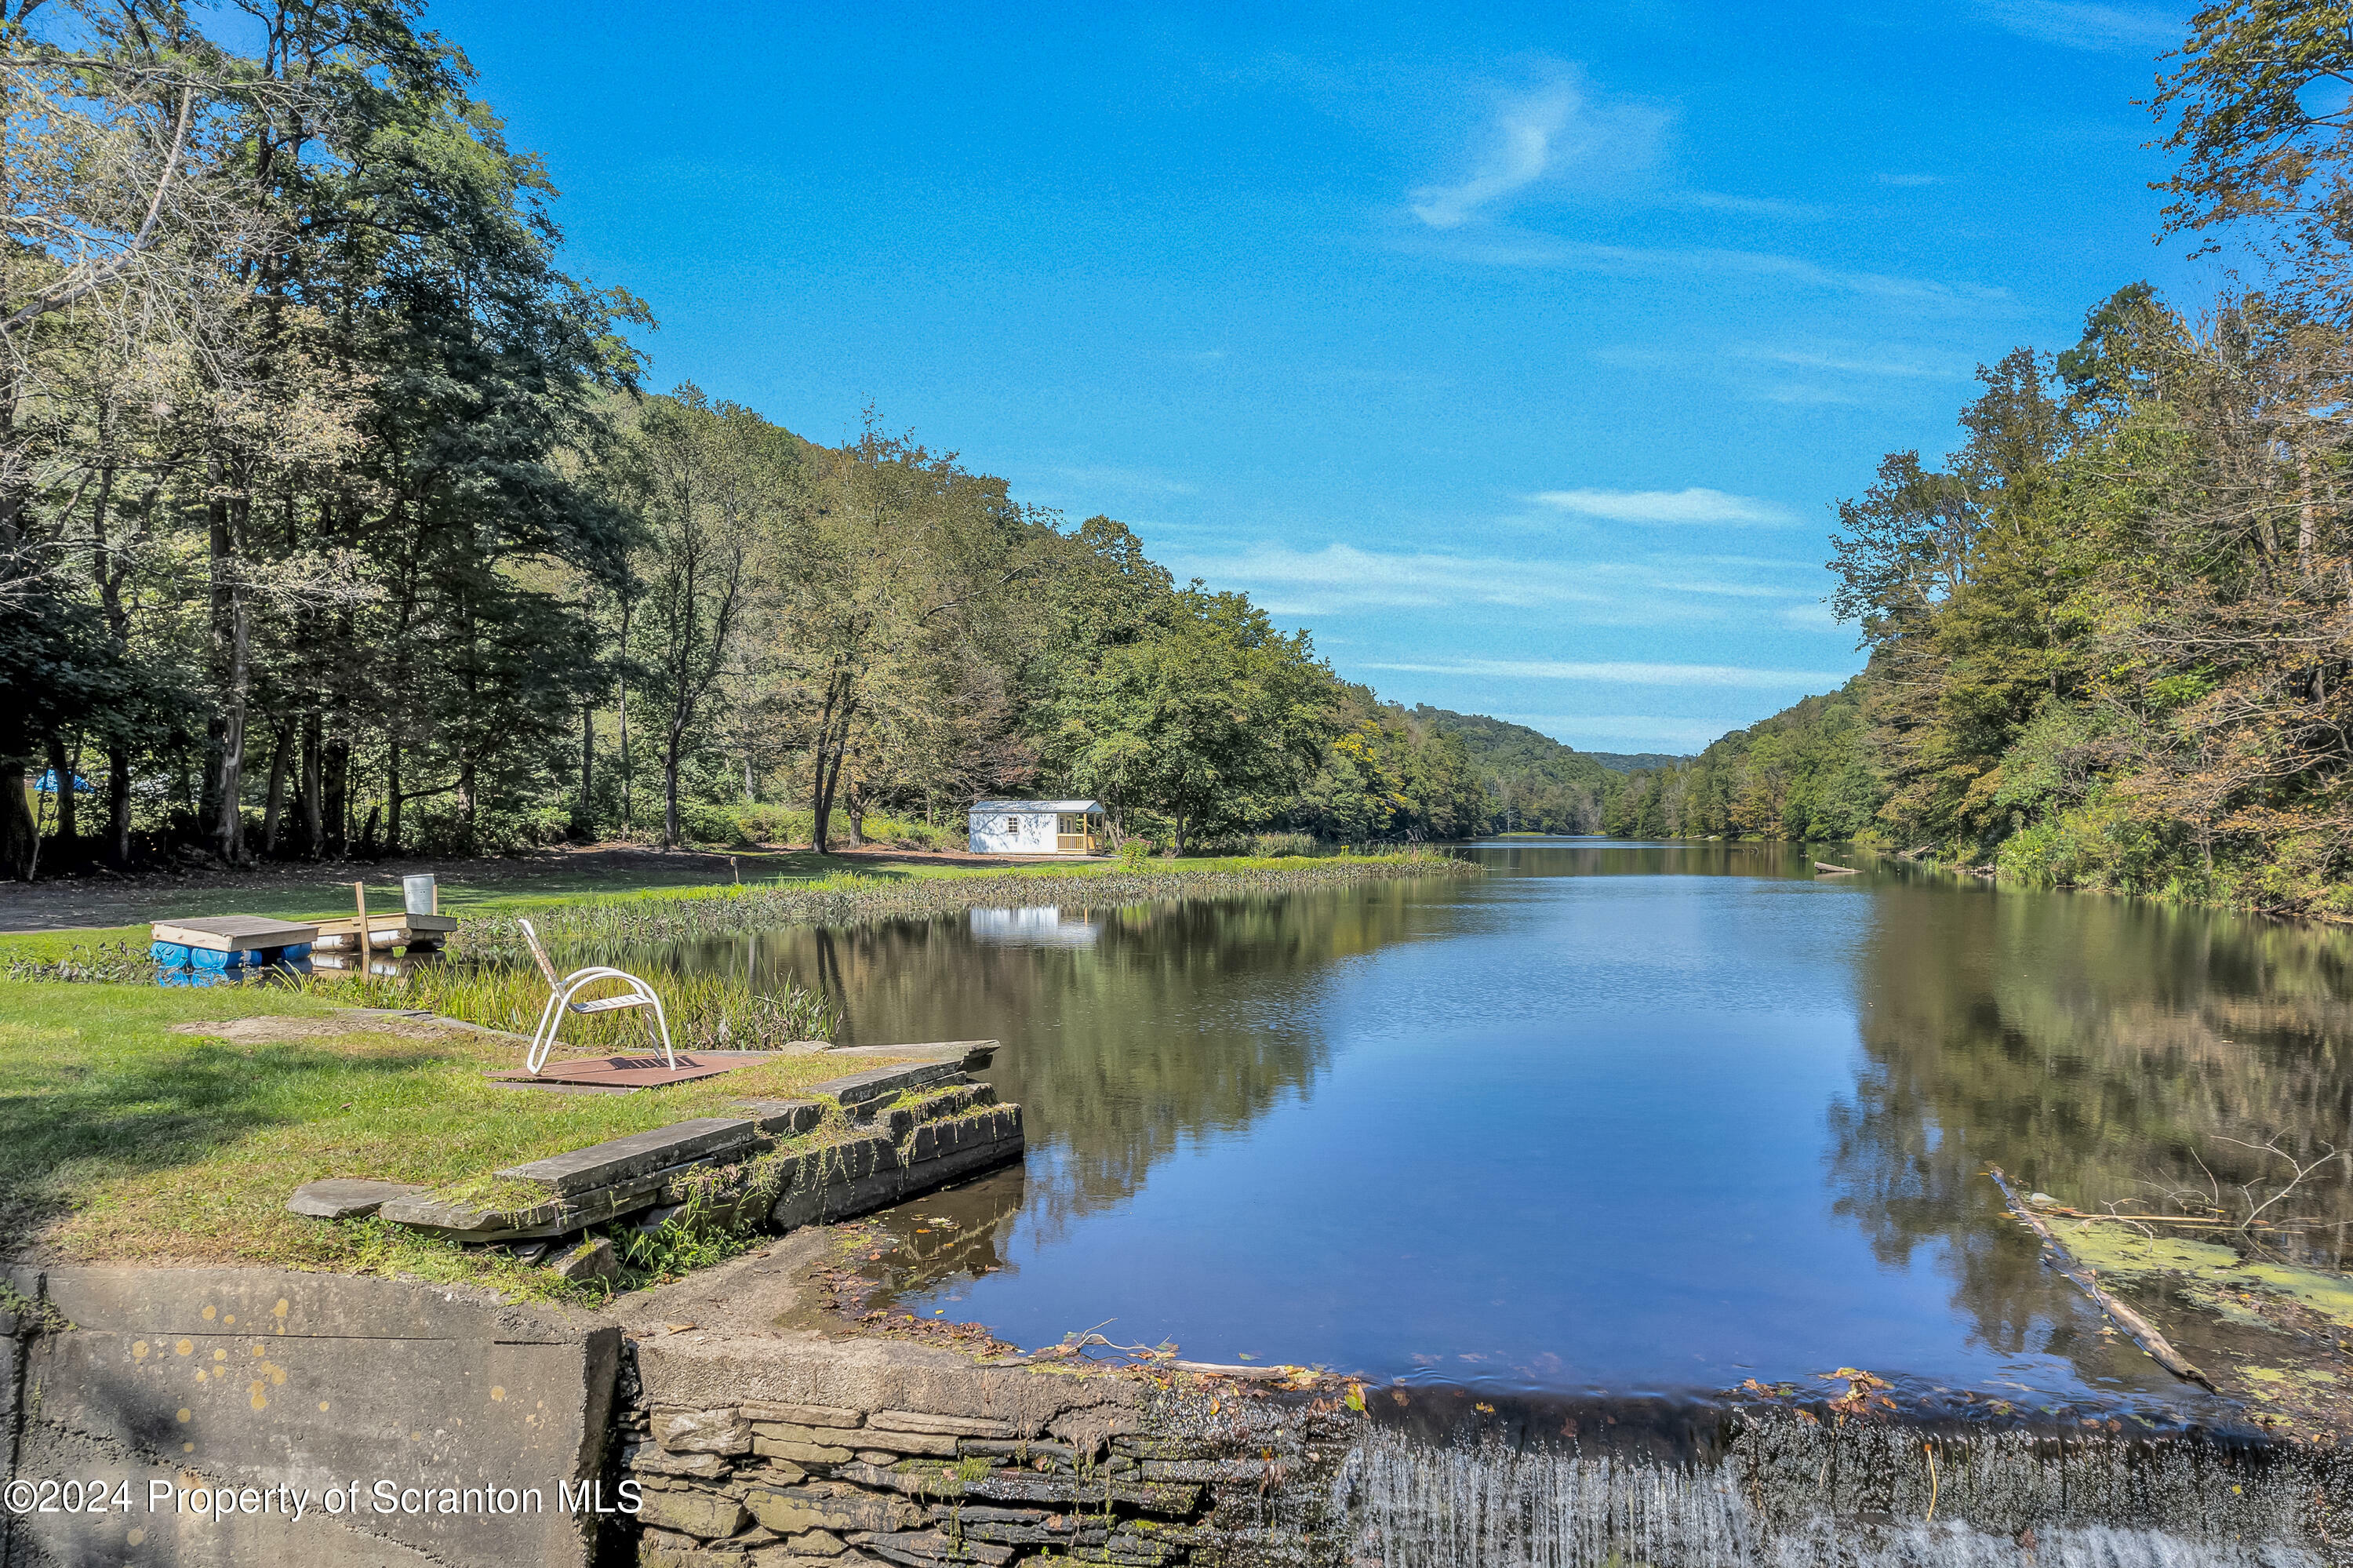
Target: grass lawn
x=122 y=1139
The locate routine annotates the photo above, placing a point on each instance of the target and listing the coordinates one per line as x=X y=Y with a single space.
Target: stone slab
x=881 y=1082
x=969 y=1053
x=782 y=1118
x=344 y=1198
x=232 y=933
x=604 y=1165
x=555 y=1217
x=953 y=1425
x=836 y=1415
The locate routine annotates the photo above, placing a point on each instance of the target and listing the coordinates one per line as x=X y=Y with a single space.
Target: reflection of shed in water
x=1037 y=827
x=1041 y=926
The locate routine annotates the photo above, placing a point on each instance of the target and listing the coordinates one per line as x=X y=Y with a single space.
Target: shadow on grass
x=95 y=1122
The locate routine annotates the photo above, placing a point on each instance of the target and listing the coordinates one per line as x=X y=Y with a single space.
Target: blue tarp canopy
x=47 y=784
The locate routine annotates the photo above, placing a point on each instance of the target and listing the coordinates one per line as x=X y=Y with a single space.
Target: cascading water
x=1798 y=1495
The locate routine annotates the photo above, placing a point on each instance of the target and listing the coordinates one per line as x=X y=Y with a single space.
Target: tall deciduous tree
x=1211 y=722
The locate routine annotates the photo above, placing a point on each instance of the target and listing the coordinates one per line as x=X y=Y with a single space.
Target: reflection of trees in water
x=1693 y=859
x=1182 y=1019
x=2097 y=1049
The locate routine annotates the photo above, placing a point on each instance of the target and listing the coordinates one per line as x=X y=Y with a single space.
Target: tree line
x=2110 y=636
x=336 y=518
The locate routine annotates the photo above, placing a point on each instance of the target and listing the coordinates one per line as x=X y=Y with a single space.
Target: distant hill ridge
x=1536 y=782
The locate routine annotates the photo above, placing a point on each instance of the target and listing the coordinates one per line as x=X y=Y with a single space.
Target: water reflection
x=1625 y=1117
x=1169 y=1023
x=2101 y=1050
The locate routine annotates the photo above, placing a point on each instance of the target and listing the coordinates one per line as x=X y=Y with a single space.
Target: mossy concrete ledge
x=270 y=1383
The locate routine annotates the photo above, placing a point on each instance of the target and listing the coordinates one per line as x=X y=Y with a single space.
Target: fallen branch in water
x=2143 y=1332
x=1836 y=870
x=2067 y=1213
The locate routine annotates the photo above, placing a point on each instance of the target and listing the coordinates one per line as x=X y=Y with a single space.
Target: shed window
x=1012 y=824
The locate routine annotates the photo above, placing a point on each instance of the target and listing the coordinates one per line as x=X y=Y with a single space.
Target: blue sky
x=1519 y=353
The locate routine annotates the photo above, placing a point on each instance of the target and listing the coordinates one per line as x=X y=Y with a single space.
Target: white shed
x=1037 y=827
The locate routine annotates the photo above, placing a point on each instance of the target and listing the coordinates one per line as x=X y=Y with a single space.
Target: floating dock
x=385 y=932
x=229 y=941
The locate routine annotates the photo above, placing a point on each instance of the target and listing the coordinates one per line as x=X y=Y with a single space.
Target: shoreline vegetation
x=488 y=978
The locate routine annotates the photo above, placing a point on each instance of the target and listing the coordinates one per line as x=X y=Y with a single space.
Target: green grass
x=123 y=1142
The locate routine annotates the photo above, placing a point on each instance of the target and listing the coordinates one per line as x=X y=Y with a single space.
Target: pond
x=1615 y=1118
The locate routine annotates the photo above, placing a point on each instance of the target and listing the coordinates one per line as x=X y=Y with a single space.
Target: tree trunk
x=274 y=798
x=118 y=807
x=61 y=774
x=336 y=777
x=392 y=796
x=670 y=787
x=233 y=648
x=832 y=749
x=311 y=791
x=584 y=817
x=20 y=836
x=628 y=776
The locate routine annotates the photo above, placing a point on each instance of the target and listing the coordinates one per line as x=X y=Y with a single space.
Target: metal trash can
x=419 y=896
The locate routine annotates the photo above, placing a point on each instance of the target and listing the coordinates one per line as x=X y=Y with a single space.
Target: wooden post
x=359 y=897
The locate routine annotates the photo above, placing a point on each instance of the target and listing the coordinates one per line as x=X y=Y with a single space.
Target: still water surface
x=1616 y=1117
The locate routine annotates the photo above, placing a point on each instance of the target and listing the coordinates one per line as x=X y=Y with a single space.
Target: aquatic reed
x=616 y=924
x=706 y=1012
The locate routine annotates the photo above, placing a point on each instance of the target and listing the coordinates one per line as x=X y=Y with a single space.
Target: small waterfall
x=1809 y=1498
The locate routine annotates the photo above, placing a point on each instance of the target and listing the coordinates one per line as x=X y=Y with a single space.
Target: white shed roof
x=1055 y=805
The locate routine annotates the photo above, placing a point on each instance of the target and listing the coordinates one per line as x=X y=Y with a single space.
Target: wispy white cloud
x=1608 y=732
x=1853 y=364
x=1340 y=579
x=1691 y=505
x=1624 y=674
x=1813 y=617
x=1495 y=247
x=1753 y=206
x=1806 y=395
x=1560 y=132
x=2082 y=25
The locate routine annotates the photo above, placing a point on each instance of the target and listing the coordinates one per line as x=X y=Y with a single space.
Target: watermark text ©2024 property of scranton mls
x=411 y=1496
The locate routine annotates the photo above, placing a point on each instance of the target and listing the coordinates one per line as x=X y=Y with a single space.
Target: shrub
x=896 y=832
x=768 y=822
x=1272 y=847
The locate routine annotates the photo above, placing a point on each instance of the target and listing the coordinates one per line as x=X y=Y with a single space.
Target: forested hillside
x=1533 y=783
x=335 y=518
x=2111 y=634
